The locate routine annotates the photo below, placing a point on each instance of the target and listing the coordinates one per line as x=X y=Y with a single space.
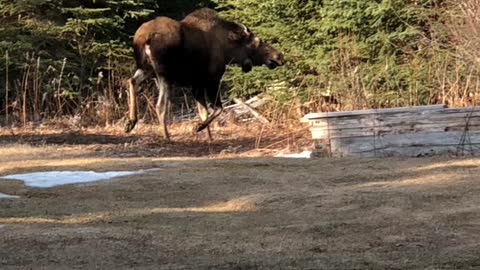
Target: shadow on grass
x=112 y=145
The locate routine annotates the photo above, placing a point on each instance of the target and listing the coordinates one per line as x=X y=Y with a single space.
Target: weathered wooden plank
x=413 y=144
x=426 y=139
x=397 y=129
x=411 y=151
x=352 y=118
x=319 y=133
x=446 y=115
x=401 y=129
x=359 y=123
x=354 y=133
x=399 y=119
x=474 y=121
x=311 y=116
x=390 y=113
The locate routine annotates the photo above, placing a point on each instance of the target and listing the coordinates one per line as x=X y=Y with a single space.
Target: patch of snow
x=304 y=154
x=57 y=178
x=5 y=196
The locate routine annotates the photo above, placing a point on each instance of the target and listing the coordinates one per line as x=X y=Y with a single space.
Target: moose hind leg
x=163 y=93
x=133 y=83
x=162 y=105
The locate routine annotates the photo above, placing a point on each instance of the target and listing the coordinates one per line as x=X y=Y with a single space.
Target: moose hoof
x=129 y=126
x=165 y=137
x=201 y=127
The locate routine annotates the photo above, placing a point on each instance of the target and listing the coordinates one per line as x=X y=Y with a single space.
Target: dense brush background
x=71 y=58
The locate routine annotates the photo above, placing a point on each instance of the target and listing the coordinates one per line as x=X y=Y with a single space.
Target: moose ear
x=240 y=33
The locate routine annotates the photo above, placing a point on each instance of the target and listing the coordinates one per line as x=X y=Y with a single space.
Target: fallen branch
x=251 y=110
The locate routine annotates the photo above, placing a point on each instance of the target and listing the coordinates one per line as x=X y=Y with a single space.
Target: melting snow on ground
x=5 y=196
x=304 y=154
x=57 y=178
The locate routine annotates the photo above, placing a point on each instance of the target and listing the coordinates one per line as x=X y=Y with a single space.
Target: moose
x=193 y=53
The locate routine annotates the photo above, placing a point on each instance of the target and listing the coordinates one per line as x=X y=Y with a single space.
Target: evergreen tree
x=371 y=50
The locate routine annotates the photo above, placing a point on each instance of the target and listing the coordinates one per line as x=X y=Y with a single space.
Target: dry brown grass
x=240 y=213
x=247 y=139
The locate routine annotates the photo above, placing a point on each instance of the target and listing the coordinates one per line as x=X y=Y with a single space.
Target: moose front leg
x=199 y=95
x=213 y=95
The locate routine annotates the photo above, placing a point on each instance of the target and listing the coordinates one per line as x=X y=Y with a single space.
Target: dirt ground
x=230 y=205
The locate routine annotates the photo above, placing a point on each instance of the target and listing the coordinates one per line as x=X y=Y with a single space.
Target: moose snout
x=276 y=59
x=279 y=58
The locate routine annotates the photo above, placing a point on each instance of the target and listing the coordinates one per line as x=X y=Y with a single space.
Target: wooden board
x=359 y=121
x=311 y=116
x=419 y=144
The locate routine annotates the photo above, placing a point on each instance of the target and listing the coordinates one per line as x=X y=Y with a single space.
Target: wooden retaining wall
x=408 y=131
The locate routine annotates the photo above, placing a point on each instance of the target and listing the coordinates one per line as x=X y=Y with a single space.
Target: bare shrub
x=465 y=27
